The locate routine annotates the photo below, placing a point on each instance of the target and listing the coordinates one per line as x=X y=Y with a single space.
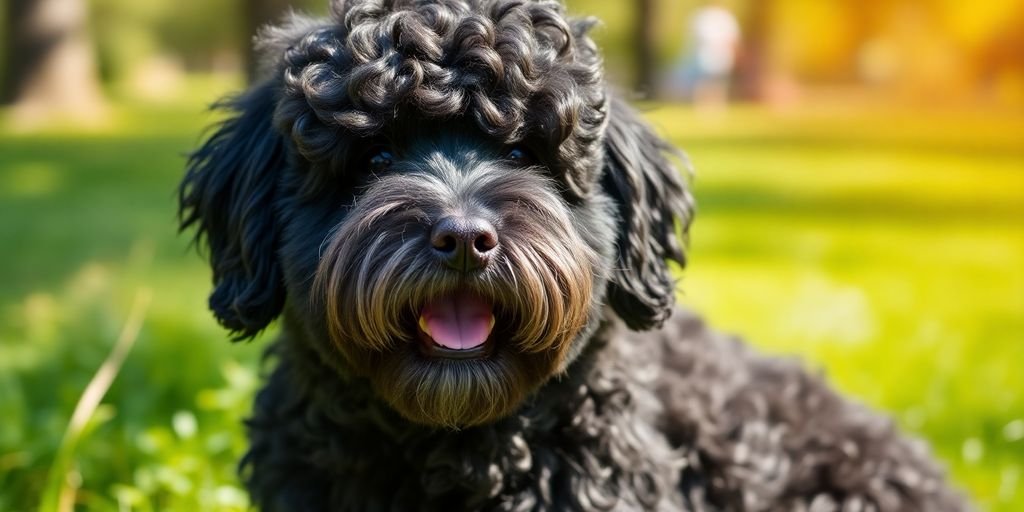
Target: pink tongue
x=461 y=321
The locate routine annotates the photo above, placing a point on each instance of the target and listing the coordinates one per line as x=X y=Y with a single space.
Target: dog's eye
x=380 y=160
x=520 y=156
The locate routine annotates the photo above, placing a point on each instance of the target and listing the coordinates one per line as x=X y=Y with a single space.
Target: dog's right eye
x=380 y=160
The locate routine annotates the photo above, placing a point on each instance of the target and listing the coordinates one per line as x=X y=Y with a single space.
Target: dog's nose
x=464 y=243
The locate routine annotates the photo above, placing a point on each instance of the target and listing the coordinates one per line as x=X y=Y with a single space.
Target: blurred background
x=859 y=173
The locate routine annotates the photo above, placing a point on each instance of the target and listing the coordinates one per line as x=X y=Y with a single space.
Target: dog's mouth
x=456 y=326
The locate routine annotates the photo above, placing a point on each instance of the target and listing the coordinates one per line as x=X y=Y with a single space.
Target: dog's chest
x=590 y=465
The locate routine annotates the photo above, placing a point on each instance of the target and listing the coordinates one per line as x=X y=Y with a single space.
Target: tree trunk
x=259 y=13
x=49 y=62
x=752 y=69
x=646 y=52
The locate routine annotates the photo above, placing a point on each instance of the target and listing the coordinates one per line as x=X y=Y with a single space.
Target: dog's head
x=441 y=196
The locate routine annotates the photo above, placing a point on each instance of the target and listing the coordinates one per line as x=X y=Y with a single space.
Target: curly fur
x=517 y=69
x=680 y=419
x=596 y=393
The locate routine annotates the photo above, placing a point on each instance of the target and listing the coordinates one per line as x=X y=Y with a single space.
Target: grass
x=884 y=247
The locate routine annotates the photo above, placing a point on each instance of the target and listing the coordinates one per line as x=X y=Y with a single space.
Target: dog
x=468 y=238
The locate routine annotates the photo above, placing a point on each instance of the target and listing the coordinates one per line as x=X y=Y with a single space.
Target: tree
x=49 y=66
x=753 y=65
x=646 y=49
x=258 y=13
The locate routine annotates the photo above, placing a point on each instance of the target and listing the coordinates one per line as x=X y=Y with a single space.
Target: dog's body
x=467 y=237
x=676 y=419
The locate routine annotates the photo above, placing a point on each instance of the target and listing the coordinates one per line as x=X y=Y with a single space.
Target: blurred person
x=714 y=37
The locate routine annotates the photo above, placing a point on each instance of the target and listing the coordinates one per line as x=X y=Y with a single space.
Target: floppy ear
x=228 y=195
x=655 y=209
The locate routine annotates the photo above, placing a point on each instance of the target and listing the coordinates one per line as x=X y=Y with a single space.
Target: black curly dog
x=467 y=238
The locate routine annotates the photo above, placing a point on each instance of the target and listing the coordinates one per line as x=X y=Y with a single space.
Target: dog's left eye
x=380 y=160
x=520 y=156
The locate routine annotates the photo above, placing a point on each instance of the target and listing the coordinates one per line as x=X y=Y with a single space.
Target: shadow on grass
x=890 y=206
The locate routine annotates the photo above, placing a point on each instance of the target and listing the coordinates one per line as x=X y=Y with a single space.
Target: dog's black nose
x=464 y=243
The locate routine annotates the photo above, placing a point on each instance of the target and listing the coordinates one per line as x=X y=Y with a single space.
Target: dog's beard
x=377 y=273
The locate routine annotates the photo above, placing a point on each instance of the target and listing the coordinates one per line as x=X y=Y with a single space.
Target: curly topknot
x=519 y=71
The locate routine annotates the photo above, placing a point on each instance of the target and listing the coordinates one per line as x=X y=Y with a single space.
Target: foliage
x=884 y=246
x=201 y=34
x=92 y=218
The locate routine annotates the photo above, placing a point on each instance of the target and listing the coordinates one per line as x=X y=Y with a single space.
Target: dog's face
x=441 y=196
x=460 y=278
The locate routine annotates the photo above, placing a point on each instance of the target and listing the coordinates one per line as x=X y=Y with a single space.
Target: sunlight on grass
x=30 y=180
x=886 y=249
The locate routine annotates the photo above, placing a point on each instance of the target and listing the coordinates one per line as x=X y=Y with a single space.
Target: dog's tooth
x=423 y=325
x=490 y=325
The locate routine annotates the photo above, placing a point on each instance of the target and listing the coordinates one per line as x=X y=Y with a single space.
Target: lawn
x=884 y=247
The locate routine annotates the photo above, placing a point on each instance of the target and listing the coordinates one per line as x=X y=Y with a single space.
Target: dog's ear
x=228 y=196
x=655 y=209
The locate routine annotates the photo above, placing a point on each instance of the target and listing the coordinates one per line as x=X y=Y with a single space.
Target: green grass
x=885 y=247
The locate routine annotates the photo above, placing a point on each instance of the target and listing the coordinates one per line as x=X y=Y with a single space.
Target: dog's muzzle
x=456 y=293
